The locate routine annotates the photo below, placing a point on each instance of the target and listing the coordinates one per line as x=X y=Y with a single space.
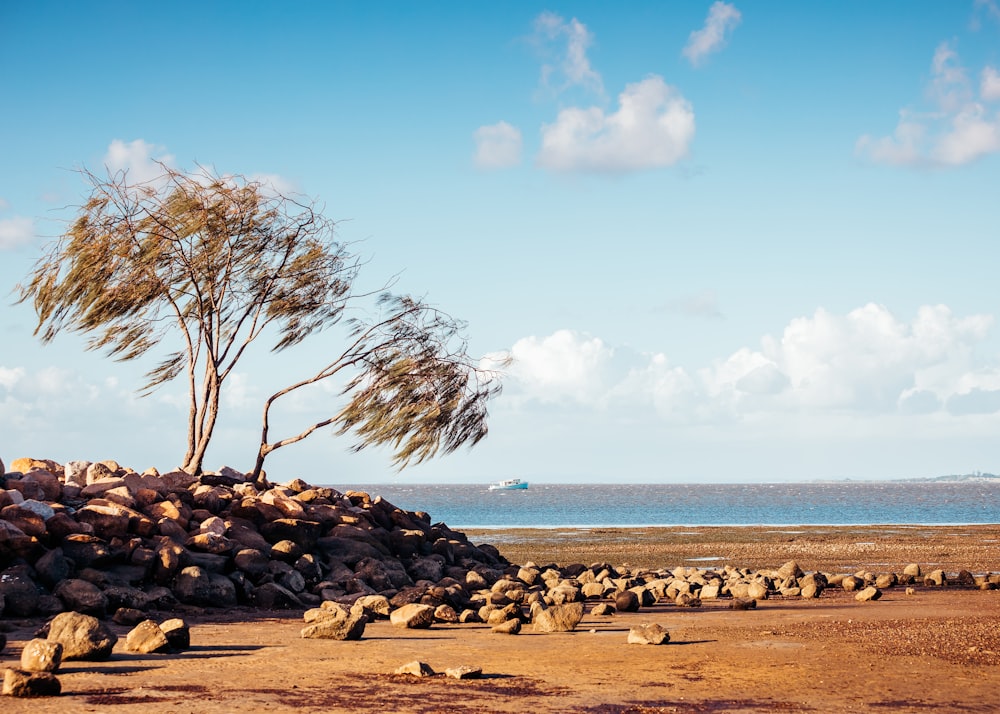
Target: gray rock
x=17 y=683
x=648 y=635
x=83 y=637
x=41 y=656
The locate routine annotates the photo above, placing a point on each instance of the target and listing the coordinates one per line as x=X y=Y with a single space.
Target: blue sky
x=748 y=241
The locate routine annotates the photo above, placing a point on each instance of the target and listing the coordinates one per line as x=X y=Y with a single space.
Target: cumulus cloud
x=498 y=146
x=721 y=21
x=565 y=44
x=16 y=231
x=140 y=159
x=652 y=128
x=867 y=362
x=958 y=128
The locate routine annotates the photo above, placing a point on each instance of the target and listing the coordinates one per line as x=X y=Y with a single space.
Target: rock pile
x=103 y=540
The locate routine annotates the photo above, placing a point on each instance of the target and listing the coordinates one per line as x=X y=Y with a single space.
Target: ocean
x=634 y=505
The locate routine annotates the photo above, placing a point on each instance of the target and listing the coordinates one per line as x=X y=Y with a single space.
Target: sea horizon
x=776 y=505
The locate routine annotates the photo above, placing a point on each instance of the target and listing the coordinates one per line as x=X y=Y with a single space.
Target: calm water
x=565 y=505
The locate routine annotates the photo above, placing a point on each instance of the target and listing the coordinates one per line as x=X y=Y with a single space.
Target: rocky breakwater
x=103 y=540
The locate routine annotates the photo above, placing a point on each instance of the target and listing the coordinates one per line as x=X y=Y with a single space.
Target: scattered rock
x=507 y=627
x=868 y=594
x=41 y=656
x=147 y=638
x=83 y=637
x=742 y=604
x=558 y=618
x=18 y=683
x=416 y=668
x=648 y=635
x=464 y=672
x=412 y=616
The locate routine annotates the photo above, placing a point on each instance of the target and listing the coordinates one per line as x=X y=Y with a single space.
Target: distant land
x=976 y=476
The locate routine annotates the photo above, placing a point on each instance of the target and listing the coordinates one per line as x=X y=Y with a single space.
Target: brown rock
x=648 y=635
x=83 y=637
x=558 y=618
x=41 y=656
x=416 y=668
x=146 y=638
x=413 y=616
x=17 y=683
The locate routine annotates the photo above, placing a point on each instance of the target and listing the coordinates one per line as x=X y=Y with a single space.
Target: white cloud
x=957 y=129
x=498 y=146
x=141 y=160
x=653 y=128
x=867 y=362
x=722 y=19
x=989 y=86
x=571 y=66
x=16 y=231
x=566 y=365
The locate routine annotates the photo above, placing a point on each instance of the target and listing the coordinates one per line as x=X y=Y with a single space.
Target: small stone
x=416 y=668
x=464 y=672
x=603 y=609
x=648 y=635
x=742 y=604
x=17 y=683
x=911 y=591
x=41 y=656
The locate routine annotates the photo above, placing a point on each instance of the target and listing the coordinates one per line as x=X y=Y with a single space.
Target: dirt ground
x=937 y=649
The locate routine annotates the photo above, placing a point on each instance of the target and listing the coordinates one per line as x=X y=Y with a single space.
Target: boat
x=511 y=484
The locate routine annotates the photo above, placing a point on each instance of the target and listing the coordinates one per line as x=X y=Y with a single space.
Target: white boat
x=510 y=484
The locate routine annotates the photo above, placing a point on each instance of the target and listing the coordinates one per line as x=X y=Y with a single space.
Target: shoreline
x=886 y=547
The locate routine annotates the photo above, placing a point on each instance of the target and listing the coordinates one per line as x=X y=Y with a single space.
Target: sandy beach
x=937 y=648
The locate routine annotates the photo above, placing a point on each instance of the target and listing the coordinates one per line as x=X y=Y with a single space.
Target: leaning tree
x=216 y=262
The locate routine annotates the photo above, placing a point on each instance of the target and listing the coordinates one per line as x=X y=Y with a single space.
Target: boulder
x=82 y=596
x=19 y=592
x=412 y=616
x=146 y=638
x=18 y=683
x=626 y=601
x=337 y=625
x=648 y=635
x=869 y=593
x=41 y=655
x=83 y=637
x=177 y=632
x=507 y=627
x=558 y=618
x=603 y=609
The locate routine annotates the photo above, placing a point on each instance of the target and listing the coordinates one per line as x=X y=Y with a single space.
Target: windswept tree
x=215 y=262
